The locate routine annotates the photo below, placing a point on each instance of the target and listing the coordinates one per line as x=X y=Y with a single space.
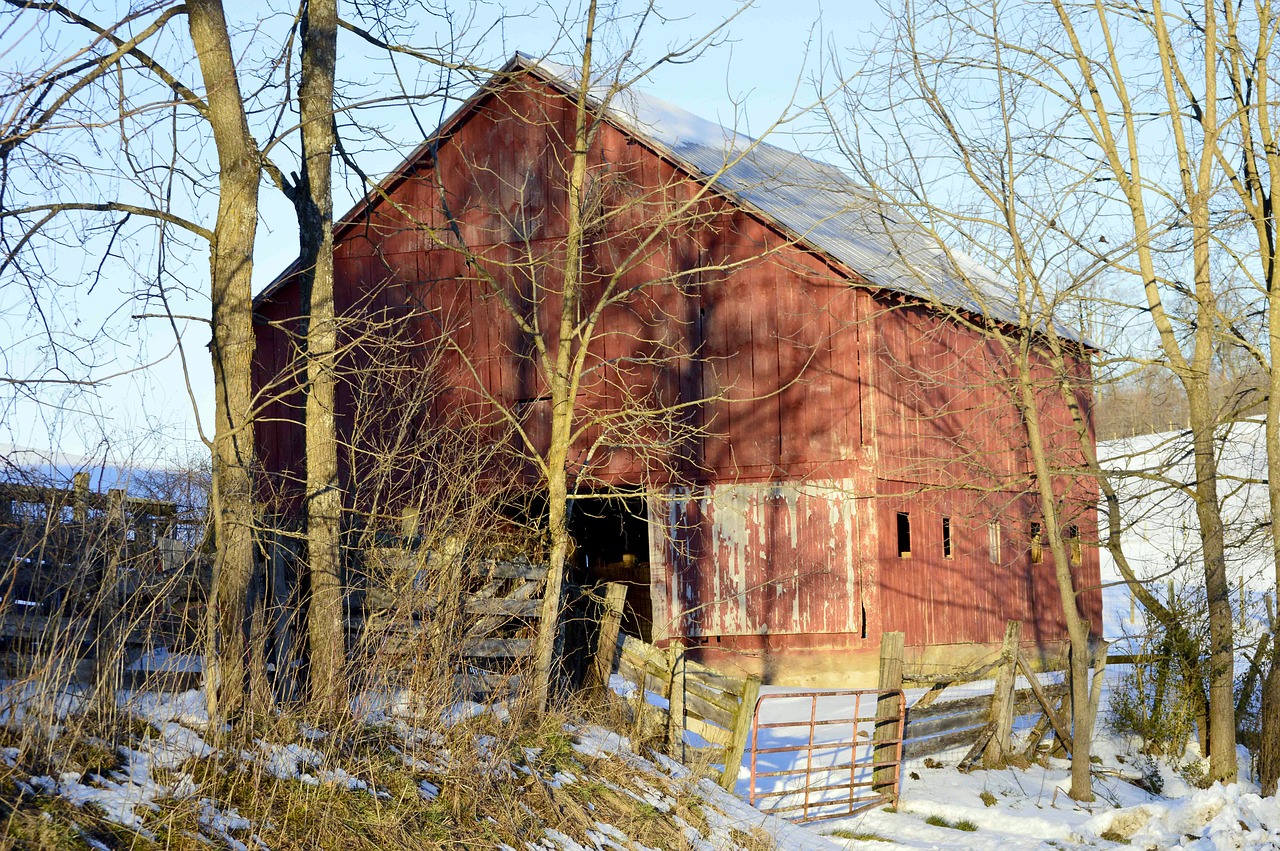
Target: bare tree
x=313 y=199
x=977 y=182
x=64 y=95
x=1066 y=131
x=231 y=265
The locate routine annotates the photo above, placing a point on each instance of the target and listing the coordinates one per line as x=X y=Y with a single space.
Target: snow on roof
x=814 y=201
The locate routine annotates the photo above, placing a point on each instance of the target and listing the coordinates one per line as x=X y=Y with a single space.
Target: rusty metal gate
x=823 y=754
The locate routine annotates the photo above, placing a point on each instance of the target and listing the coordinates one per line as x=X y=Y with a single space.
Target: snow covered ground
x=1007 y=809
x=940 y=807
x=1012 y=809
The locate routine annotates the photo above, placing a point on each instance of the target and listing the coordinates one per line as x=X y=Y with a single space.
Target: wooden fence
x=83 y=571
x=714 y=706
x=496 y=607
x=982 y=722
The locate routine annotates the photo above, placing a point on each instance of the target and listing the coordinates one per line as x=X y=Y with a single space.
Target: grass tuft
x=961 y=824
x=858 y=835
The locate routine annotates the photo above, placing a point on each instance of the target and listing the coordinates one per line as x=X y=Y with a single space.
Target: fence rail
x=715 y=706
x=983 y=722
x=82 y=571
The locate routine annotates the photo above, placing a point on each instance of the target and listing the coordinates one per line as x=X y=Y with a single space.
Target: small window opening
x=1071 y=535
x=946 y=537
x=993 y=541
x=904 y=535
x=1037 y=544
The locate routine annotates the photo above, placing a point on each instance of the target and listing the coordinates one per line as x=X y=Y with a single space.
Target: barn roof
x=816 y=203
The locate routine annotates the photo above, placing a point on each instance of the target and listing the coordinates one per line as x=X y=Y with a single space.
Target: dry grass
x=401 y=768
x=368 y=785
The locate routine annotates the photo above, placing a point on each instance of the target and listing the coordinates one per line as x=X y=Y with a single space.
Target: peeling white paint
x=812 y=523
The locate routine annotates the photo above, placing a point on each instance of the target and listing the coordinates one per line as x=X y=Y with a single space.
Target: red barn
x=797 y=383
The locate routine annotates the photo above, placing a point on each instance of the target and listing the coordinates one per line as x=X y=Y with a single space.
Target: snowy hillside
x=1160 y=529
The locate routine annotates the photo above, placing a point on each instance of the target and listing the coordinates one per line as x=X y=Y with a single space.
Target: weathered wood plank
x=1059 y=725
x=496 y=648
x=714 y=734
x=996 y=750
x=944 y=723
x=888 y=707
x=1024 y=703
x=628 y=670
x=727 y=700
x=741 y=732
x=651 y=666
x=1135 y=658
x=615 y=597
x=510 y=570
x=646 y=654
x=935 y=691
x=696 y=704
x=489 y=623
x=914 y=748
x=503 y=607
x=950 y=707
x=676 y=714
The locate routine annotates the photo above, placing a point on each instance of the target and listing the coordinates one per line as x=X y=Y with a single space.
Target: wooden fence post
x=741 y=732
x=80 y=498
x=615 y=597
x=1055 y=718
x=888 y=707
x=996 y=753
x=110 y=634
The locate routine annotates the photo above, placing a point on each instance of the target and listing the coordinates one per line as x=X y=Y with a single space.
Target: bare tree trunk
x=563 y=379
x=231 y=268
x=1221 y=673
x=313 y=200
x=1196 y=171
x=1269 y=751
x=1077 y=629
x=1192 y=371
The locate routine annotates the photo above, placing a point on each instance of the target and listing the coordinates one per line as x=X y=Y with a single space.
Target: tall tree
x=231 y=275
x=1189 y=355
x=313 y=199
x=1249 y=159
x=1115 y=178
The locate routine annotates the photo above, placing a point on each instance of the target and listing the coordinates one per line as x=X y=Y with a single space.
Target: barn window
x=904 y=535
x=946 y=537
x=1037 y=544
x=1071 y=535
x=993 y=541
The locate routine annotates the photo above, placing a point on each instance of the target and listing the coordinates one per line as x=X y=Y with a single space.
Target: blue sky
x=766 y=60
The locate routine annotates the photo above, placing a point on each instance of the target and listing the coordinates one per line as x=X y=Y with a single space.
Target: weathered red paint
x=833 y=407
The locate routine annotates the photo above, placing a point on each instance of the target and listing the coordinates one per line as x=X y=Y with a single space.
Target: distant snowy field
x=1160 y=529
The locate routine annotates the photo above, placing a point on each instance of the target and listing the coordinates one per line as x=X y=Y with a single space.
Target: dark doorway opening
x=611 y=534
